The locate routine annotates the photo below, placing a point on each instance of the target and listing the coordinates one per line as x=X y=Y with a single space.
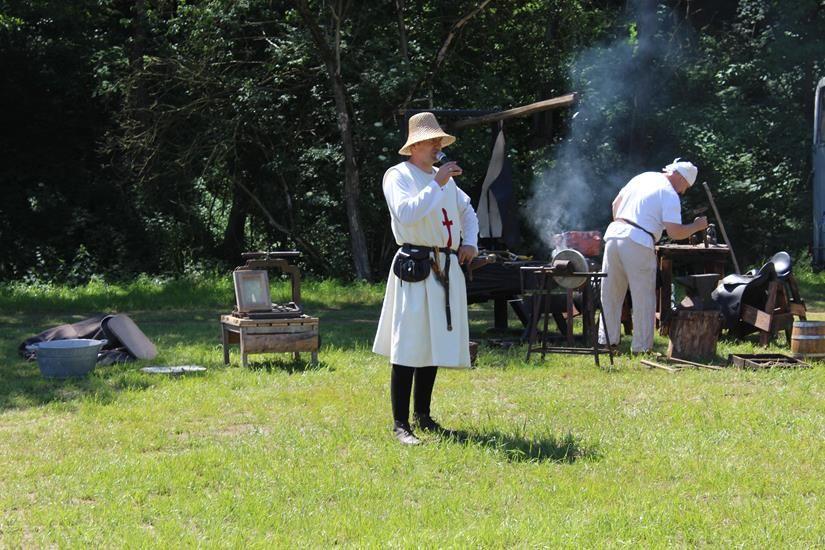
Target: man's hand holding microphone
x=448 y=169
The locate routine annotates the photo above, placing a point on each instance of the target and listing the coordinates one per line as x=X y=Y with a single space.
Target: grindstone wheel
x=579 y=265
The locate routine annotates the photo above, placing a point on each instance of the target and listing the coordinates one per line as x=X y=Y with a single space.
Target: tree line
x=163 y=136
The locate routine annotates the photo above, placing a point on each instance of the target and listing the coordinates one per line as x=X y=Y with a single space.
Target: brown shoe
x=405 y=436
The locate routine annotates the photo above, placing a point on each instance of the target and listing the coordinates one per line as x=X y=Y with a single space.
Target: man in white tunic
x=646 y=206
x=416 y=330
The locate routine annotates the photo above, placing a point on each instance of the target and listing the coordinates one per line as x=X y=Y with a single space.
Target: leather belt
x=442 y=276
x=637 y=226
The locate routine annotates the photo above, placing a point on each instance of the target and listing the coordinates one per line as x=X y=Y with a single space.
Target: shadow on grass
x=348 y=327
x=567 y=449
x=289 y=366
x=22 y=386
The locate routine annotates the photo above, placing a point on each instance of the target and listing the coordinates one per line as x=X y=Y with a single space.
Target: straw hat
x=424 y=126
x=686 y=169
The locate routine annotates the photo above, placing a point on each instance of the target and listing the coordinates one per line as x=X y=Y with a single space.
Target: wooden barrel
x=808 y=339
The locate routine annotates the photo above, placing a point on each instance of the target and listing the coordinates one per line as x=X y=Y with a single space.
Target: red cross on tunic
x=448 y=223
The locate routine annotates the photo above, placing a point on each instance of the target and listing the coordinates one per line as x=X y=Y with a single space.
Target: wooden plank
x=275 y=343
x=798 y=305
x=781 y=321
x=770 y=306
x=658 y=365
x=290 y=329
x=700 y=365
x=798 y=309
x=289 y=321
x=272 y=322
x=523 y=111
x=756 y=318
x=668 y=250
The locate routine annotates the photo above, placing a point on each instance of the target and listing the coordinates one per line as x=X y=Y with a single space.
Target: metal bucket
x=71 y=358
x=808 y=339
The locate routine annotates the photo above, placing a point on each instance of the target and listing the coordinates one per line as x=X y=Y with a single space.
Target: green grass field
x=559 y=453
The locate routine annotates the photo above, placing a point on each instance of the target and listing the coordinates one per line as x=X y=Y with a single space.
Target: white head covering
x=686 y=169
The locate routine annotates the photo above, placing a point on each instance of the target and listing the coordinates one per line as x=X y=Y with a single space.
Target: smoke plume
x=621 y=85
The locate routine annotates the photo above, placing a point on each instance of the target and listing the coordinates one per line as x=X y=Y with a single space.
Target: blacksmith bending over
x=646 y=206
x=420 y=330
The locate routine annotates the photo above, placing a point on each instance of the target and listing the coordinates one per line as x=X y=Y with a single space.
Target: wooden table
x=698 y=258
x=293 y=335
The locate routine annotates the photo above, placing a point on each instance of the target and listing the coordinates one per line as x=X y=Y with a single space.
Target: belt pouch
x=412 y=263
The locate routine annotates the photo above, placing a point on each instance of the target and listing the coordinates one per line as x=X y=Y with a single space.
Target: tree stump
x=693 y=334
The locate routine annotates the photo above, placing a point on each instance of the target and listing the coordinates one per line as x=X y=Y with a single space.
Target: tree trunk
x=402 y=31
x=343 y=108
x=646 y=28
x=139 y=99
x=234 y=236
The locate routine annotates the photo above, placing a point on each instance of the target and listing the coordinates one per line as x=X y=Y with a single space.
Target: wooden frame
x=252 y=290
x=779 y=311
x=765 y=361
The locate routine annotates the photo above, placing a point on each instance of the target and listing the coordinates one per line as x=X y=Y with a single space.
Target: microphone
x=442 y=159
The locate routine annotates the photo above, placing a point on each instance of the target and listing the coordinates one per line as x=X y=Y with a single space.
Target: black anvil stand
x=545 y=284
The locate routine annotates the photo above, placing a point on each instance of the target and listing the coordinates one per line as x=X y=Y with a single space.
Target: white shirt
x=650 y=201
x=419 y=208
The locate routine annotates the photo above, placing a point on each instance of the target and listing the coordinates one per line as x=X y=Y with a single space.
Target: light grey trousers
x=628 y=263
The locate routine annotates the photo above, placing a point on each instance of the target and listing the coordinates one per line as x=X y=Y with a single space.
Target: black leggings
x=401 y=383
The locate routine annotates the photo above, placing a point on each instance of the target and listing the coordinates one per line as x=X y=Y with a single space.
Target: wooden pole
x=524 y=110
x=721 y=227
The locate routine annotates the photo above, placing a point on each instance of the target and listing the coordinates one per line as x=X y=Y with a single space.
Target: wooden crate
x=765 y=361
x=294 y=335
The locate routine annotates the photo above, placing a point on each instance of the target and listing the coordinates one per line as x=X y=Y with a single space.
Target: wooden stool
x=293 y=335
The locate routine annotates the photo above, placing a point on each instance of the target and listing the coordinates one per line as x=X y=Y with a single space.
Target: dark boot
x=426 y=423
x=423 y=392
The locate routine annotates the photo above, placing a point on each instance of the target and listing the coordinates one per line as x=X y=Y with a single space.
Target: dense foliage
x=164 y=136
